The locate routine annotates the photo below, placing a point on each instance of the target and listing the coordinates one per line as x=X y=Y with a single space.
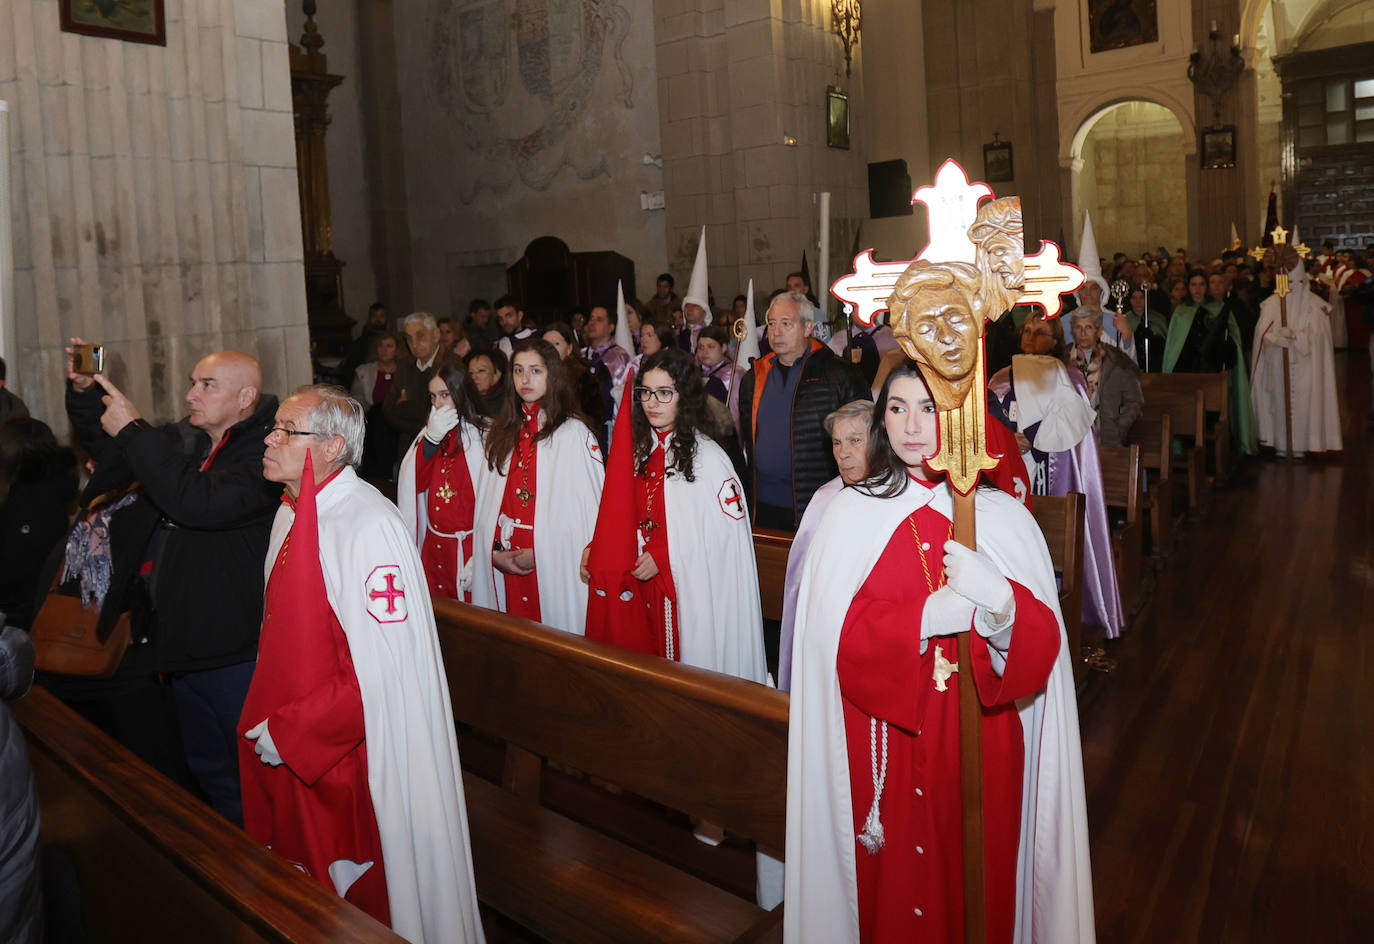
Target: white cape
x=1053 y=876
x=1312 y=369
x=711 y=553
x=568 y=474
x=413 y=772
x=414 y=507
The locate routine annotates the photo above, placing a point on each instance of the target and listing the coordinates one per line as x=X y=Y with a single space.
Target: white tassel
x=872 y=837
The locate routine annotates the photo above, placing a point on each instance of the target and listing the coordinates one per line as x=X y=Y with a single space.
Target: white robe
x=1316 y=413
x=1053 y=876
x=413 y=773
x=568 y=474
x=711 y=554
x=414 y=507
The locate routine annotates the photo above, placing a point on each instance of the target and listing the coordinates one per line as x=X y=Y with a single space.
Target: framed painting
x=134 y=21
x=1219 y=147
x=997 y=164
x=836 y=118
x=1116 y=24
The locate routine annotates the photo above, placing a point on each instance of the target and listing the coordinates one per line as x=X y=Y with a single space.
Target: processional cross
x=1282 y=257
x=973 y=270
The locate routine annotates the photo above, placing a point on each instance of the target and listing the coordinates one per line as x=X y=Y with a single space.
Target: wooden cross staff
x=1283 y=256
x=973 y=270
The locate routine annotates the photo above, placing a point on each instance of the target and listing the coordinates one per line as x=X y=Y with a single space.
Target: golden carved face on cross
x=972 y=271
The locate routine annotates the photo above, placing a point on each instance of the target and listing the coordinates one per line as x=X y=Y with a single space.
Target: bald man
x=191 y=545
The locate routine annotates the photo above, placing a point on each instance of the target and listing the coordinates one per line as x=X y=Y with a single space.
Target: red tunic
x=315 y=809
x=450 y=503
x=660 y=593
x=518 y=503
x=912 y=889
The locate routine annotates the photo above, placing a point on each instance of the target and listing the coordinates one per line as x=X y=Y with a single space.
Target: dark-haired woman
x=591 y=398
x=537 y=499
x=874 y=849
x=717 y=370
x=437 y=490
x=697 y=550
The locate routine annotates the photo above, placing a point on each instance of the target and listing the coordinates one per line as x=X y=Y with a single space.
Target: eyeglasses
x=661 y=394
x=280 y=434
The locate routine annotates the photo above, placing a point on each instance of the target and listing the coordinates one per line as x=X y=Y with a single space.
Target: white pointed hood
x=749 y=344
x=1235 y=237
x=698 y=289
x=1088 y=259
x=623 y=335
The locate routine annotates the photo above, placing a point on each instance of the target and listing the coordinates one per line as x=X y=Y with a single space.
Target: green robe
x=1242 y=411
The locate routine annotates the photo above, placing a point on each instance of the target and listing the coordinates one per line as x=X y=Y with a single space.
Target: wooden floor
x=1227 y=758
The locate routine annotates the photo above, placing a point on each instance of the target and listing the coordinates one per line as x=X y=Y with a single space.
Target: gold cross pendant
x=524 y=495
x=647 y=526
x=943 y=670
x=445 y=493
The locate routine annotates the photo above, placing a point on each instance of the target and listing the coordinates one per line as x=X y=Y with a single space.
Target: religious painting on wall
x=836 y=118
x=1219 y=147
x=134 y=21
x=1115 y=24
x=997 y=162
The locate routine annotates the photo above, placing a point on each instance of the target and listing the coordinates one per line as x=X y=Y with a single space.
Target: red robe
x=517 y=503
x=912 y=889
x=450 y=503
x=315 y=809
x=658 y=590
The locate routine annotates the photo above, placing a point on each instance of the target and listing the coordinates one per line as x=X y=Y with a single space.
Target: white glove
x=262 y=743
x=441 y=420
x=976 y=578
x=945 y=614
x=1283 y=337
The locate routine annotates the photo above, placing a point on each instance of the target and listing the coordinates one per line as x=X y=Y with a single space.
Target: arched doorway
x=1130 y=172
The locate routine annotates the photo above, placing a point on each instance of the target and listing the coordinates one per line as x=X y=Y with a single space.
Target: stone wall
x=1134 y=182
x=523 y=120
x=155 y=204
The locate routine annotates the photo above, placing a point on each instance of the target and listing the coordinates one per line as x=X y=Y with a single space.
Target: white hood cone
x=623 y=337
x=749 y=344
x=698 y=289
x=1088 y=259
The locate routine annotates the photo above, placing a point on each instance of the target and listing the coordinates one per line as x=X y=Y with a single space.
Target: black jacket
x=826 y=384
x=408 y=416
x=208 y=531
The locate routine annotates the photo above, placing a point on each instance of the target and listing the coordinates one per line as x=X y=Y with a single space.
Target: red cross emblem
x=386 y=598
x=731 y=499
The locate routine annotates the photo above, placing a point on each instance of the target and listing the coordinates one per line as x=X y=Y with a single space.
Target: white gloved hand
x=945 y=613
x=976 y=578
x=441 y=420
x=262 y=743
x=1283 y=337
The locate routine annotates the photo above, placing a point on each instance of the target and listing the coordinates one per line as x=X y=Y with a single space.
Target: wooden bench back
x=696 y=741
x=770 y=554
x=156 y=864
x=1186 y=407
x=1215 y=389
x=1122 y=478
x=1061 y=521
x=1153 y=431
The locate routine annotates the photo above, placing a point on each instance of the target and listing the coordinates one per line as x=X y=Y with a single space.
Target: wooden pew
x=709 y=745
x=1216 y=403
x=770 y=553
x=1123 y=478
x=155 y=864
x=1061 y=521
x=1153 y=432
x=1186 y=414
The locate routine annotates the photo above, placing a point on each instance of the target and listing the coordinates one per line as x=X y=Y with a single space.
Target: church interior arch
x=1129 y=173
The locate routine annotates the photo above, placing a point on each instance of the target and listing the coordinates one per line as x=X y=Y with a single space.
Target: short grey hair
x=853 y=410
x=335 y=413
x=420 y=317
x=805 y=310
x=1086 y=313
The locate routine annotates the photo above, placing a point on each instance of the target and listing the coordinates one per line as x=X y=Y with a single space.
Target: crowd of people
x=602 y=474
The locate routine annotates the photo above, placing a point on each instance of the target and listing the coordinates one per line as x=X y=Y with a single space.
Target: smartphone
x=88 y=359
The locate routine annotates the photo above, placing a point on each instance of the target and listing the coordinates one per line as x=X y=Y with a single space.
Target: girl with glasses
x=537 y=500
x=437 y=490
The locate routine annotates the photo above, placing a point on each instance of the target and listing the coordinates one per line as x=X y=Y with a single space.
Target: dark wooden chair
x=1153 y=432
x=1216 y=404
x=711 y=746
x=1123 y=477
x=770 y=555
x=156 y=864
x=1061 y=521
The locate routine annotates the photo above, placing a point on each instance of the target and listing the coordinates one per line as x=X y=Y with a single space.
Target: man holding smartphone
x=207 y=513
